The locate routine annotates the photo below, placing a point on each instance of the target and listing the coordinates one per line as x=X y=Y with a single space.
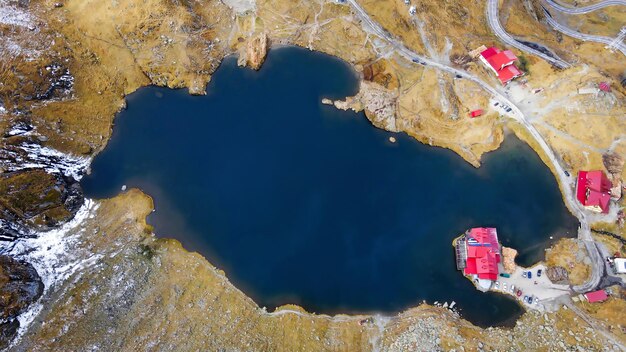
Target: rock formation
x=508 y=259
x=558 y=275
x=37 y=200
x=254 y=53
x=379 y=105
x=20 y=285
x=614 y=164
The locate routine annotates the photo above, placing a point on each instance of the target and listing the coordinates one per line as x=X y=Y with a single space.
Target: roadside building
x=478 y=253
x=502 y=63
x=596 y=296
x=476 y=113
x=593 y=190
x=620 y=265
x=605 y=87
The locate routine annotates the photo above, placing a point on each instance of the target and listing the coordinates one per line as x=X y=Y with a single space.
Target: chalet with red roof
x=596 y=296
x=593 y=190
x=502 y=63
x=478 y=253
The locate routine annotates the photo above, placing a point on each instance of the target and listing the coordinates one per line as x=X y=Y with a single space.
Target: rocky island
x=82 y=274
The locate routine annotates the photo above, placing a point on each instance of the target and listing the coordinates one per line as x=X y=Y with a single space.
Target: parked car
x=519 y=293
x=504 y=286
x=497 y=285
x=536 y=300
x=566 y=173
x=525 y=299
x=512 y=288
x=530 y=275
x=538 y=272
x=524 y=275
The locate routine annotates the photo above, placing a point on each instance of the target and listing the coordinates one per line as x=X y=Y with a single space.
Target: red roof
x=596 y=296
x=483 y=253
x=508 y=73
x=476 y=113
x=502 y=59
x=489 y=52
x=502 y=63
x=593 y=189
x=604 y=86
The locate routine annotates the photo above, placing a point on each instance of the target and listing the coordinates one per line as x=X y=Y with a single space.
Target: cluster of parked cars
x=503 y=106
x=531 y=300
x=526 y=298
x=504 y=287
x=529 y=274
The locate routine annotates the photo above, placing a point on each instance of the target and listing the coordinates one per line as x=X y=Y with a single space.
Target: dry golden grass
x=609 y=313
x=567 y=252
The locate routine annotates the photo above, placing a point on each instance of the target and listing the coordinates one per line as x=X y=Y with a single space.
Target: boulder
x=508 y=259
x=20 y=286
x=558 y=275
x=8 y=329
x=36 y=199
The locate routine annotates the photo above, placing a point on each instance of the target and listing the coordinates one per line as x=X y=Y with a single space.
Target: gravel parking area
x=540 y=287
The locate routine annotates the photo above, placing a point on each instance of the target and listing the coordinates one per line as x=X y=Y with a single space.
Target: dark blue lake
x=301 y=203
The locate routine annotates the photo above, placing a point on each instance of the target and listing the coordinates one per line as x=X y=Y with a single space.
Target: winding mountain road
x=584 y=9
x=584 y=232
x=581 y=36
x=498 y=30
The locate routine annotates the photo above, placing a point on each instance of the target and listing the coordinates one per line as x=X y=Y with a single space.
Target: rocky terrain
x=106 y=282
x=20 y=286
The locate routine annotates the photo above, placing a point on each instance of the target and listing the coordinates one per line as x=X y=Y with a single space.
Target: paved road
x=498 y=30
x=581 y=36
x=584 y=9
x=584 y=232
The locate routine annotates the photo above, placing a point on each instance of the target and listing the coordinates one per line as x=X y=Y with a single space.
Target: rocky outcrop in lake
x=254 y=53
x=377 y=102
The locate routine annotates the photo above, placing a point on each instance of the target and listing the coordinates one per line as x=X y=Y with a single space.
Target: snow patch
x=10 y=232
x=53 y=254
x=376 y=339
x=30 y=155
x=13 y=15
x=19 y=129
x=241 y=6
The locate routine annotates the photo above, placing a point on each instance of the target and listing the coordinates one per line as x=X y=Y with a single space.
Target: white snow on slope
x=52 y=160
x=53 y=255
x=13 y=15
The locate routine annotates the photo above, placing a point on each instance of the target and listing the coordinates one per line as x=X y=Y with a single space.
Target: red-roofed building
x=604 y=86
x=501 y=63
x=487 y=53
x=509 y=73
x=482 y=253
x=596 y=296
x=501 y=59
x=476 y=113
x=593 y=190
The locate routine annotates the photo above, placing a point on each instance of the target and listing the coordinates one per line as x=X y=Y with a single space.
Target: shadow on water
x=301 y=203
